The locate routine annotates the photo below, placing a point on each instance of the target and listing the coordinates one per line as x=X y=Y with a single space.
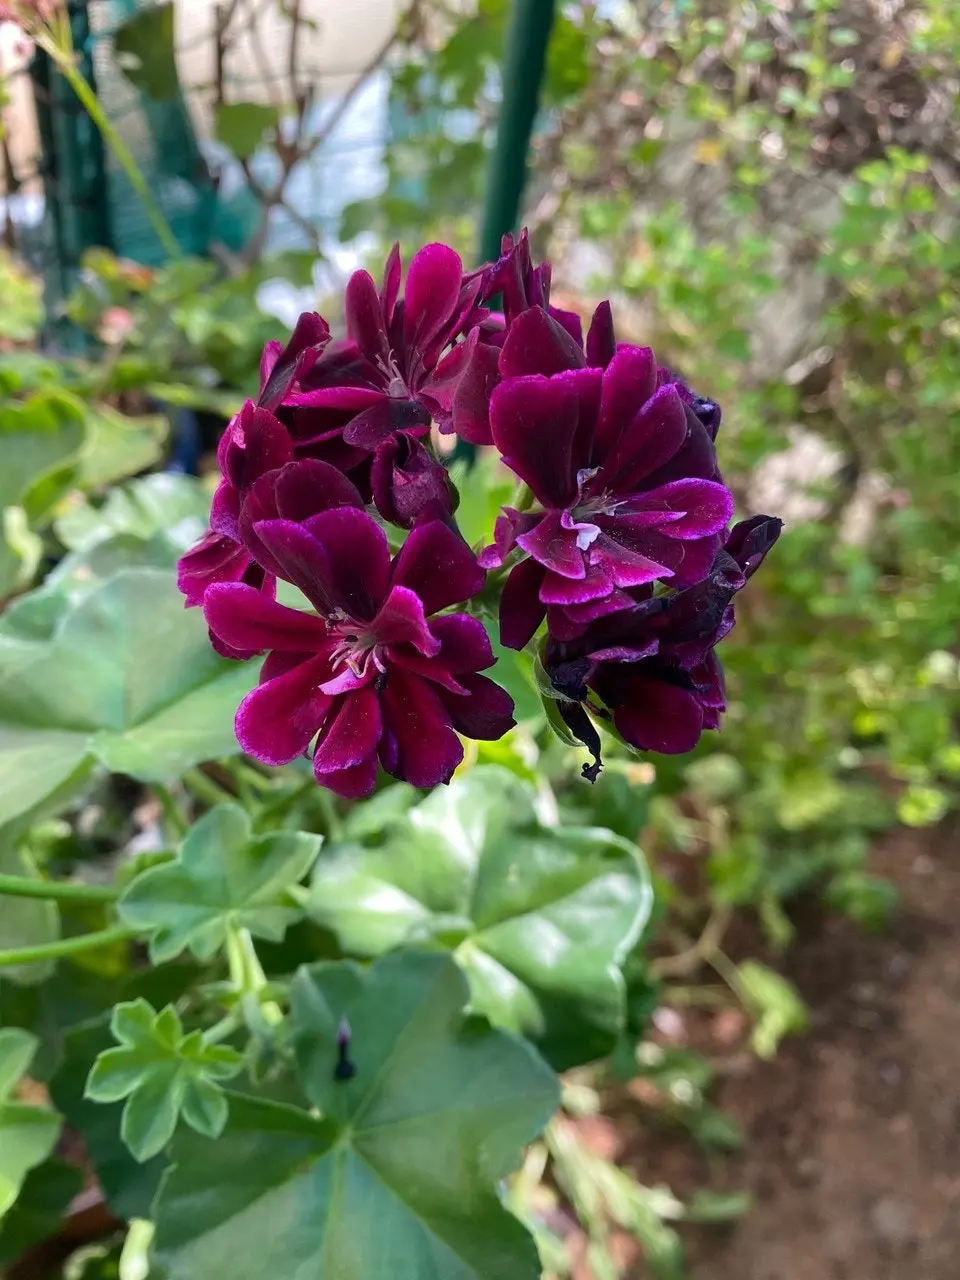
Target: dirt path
x=853 y=1133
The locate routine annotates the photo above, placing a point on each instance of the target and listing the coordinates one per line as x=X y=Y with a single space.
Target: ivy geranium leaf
x=223 y=878
x=127 y=680
x=27 y=1134
x=540 y=918
x=163 y=1074
x=400 y=1176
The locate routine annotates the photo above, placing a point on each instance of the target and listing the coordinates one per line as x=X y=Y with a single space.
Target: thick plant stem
x=67 y=67
x=64 y=947
x=55 y=890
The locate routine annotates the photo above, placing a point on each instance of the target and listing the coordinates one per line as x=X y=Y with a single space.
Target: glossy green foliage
x=399 y=1175
x=539 y=917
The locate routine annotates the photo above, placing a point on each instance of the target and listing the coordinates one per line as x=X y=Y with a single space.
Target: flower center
x=396 y=383
x=356 y=646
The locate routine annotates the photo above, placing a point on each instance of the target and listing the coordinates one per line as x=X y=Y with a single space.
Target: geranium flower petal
x=705 y=507
x=601 y=340
x=652 y=437
x=659 y=717
x=215 y=558
x=355 y=783
x=249 y=620
x=350 y=732
x=464 y=643
x=436 y=564
x=629 y=380
x=423 y=746
x=485 y=713
x=364 y=316
x=401 y=620
x=278 y=720
x=534 y=424
x=359 y=557
x=521 y=609
x=431 y=293
x=557 y=547
x=538 y=344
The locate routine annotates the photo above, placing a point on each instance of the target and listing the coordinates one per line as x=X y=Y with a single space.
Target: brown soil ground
x=853 y=1132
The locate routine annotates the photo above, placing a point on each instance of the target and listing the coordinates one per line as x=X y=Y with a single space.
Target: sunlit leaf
x=540 y=918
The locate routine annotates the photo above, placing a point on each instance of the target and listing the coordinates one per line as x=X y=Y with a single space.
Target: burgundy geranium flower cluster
x=619 y=539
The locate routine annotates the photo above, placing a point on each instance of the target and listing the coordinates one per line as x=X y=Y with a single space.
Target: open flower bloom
x=623 y=471
x=651 y=672
x=372 y=675
x=254 y=443
x=397 y=369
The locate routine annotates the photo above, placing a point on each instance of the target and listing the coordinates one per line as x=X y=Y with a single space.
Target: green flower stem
x=177 y=824
x=246 y=974
x=331 y=819
x=225 y=1028
x=68 y=68
x=522 y=499
x=56 y=890
x=64 y=947
x=205 y=789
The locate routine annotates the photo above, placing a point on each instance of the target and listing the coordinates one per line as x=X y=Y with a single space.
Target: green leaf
x=161 y=1072
x=399 y=1178
x=775 y=1004
x=118 y=446
x=27 y=1134
x=128 y=1185
x=37 y=437
x=128 y=679
x=541 y=918
x=223 y=879
x=31 y=619
x=241 y=125
x=176 y=506
x=25 y=922
x=144 y=47
x=515 y=672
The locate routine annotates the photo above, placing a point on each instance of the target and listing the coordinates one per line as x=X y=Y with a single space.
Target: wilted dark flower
x=372 y=675
x=408 y=481
x=624 y=473
x=253 y=444
x=651 y=671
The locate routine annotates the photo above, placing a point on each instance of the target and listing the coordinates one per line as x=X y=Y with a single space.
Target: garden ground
x=852 y=1149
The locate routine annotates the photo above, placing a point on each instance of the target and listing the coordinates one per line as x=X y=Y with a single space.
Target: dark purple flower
x=254 y=443
x=651 y=672
x=395 y=371
x=493 y=349
x=372 y=675
x=624 y=474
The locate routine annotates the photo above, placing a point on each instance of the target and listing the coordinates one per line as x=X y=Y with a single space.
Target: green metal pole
x=525 y=57
x=524 y=60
